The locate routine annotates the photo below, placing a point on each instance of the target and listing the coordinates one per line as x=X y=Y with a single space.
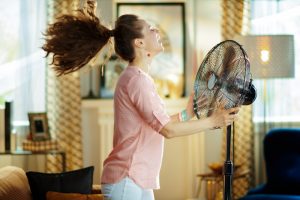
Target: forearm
x=175 y=118
x=219 y=118
x=175 y=128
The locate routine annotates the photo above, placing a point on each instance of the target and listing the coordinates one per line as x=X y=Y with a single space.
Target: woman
x=141 y=123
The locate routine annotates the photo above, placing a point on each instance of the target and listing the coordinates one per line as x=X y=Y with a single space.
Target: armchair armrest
x=258 y=190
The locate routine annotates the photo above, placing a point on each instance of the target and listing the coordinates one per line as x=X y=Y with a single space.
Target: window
x=22 y=62
x=283 y=96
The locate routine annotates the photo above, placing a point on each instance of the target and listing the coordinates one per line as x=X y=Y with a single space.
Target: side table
x=214 y=183
x=51 y=152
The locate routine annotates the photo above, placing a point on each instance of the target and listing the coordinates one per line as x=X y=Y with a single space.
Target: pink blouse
x=139 y=115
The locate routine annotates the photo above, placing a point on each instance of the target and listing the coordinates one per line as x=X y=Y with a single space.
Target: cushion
x=14 y=184
x=73 y=196
x=77 y=181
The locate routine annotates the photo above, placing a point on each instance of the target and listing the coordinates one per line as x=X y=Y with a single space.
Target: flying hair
x=75 y=39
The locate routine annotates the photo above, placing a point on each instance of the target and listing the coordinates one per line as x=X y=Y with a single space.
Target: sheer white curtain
x=22 y=62
x=283 y=96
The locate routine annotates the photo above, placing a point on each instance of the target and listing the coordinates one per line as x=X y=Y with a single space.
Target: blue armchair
x=282 y=156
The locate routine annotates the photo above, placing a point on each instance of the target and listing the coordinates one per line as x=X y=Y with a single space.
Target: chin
x=158 y=51
x=161 y=48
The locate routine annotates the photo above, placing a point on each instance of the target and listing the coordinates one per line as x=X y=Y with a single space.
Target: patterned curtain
x=64 y=103
x=235 y=21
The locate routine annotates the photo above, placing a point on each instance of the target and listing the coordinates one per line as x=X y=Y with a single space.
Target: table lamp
x=271 y=56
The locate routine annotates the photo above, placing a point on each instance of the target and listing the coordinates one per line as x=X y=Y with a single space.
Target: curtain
x=21 y=58
x=235 y=21
x=64 y=103
x=282 y=105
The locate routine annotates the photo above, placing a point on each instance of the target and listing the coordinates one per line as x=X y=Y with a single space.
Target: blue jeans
x=126 y=189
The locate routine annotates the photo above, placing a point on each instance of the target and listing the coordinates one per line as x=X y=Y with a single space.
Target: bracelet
x=183 y=116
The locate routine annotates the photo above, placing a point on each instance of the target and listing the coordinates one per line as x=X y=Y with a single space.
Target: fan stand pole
x=228 y=167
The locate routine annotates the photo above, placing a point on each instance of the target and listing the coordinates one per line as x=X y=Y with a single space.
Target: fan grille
x=222 y=79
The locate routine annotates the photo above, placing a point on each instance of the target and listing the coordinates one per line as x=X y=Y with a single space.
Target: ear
x=139 y=43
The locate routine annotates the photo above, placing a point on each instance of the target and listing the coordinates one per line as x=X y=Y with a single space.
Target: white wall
x=208 y=34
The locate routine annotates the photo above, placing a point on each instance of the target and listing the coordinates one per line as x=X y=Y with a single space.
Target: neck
x=141 y=61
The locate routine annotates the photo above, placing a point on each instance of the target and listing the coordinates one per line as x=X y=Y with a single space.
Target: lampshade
x=271 y=56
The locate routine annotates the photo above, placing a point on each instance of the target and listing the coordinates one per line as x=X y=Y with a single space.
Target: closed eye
x=152 y=28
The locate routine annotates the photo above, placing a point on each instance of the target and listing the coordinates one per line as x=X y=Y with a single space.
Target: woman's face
x=151 y=38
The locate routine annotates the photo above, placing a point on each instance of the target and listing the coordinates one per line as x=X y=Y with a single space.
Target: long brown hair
x=75 y=39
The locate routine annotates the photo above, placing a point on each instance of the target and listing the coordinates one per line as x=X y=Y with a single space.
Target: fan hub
x=211 y=81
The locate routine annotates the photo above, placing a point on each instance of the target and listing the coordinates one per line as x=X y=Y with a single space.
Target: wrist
x=190 y=113
x=183 y=116
x=212 y=124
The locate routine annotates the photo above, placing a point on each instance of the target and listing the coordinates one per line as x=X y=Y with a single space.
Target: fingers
x=234 y=110
x=228 y=120
x=223 y=120
x=190 y=106
x=222 y=103
x=229 y=116
x=192 y=93
x=202 y=101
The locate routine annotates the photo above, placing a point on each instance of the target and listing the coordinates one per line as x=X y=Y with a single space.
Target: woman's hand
x=201 y=103
x=222 y=117
x=190 y=107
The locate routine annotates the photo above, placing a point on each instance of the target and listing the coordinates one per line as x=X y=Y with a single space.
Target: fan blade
x=213 y=100
x=228 y=61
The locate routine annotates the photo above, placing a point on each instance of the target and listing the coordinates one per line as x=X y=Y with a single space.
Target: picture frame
x=38 y=125
x=111 y=72
x=168 y=67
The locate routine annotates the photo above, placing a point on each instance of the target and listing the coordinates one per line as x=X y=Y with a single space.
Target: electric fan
x=224 y=79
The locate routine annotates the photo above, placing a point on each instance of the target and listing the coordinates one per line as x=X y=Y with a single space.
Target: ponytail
x=74 y=40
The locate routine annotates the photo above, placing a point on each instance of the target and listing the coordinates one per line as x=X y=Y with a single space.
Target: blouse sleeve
x=142 y=93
